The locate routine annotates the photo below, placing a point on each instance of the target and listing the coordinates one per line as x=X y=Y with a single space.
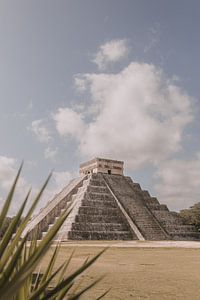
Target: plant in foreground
x=19 y=258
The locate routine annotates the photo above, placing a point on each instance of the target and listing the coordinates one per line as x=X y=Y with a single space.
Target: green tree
x=191 y=215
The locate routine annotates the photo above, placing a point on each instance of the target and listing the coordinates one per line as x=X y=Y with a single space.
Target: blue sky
x=117 y=79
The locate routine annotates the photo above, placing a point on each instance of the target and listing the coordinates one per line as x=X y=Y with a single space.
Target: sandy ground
x=137 y=244
x=139 y=270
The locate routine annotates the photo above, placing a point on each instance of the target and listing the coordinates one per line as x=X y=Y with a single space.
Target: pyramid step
x=95 y=176
x=98 y=218
x=58 y=215
x=97 y=189
x=99 y=203
x=99 y=227
x=136 y=186
x=99 y=235
x=96 y=182
x=152 y=201
x=146 y=194
x=157 y=206
x=181 y=229
x=167 y=218
x=81 y=189
x=98 y=211
x=86 y=182
x=99 y=196
x=187 y=236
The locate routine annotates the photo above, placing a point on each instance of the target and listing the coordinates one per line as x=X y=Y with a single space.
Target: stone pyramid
x=109 y=206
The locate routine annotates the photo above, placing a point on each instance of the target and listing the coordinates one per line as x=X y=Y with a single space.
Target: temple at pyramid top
x=102 y=165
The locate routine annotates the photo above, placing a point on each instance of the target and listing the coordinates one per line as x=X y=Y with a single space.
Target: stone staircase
x=40 y=223
x=170 y=221
x=99 y=217
x=134 y=205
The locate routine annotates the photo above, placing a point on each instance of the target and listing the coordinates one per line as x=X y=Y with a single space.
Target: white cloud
x=41 y=132
x=50 y=153
x=79 y=83
x=178 y=182
x=139 y=116
x=68 y=122
x=110 y=52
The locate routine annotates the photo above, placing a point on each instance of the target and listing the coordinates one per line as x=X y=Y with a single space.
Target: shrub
x=19 y=258
x=191 y=215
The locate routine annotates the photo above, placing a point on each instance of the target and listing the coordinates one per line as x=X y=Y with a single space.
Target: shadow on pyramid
x=109 y=206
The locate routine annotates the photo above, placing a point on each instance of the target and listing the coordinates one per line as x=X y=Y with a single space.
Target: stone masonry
x=109 y=206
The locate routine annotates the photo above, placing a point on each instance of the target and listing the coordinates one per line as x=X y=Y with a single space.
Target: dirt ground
x=139 y=273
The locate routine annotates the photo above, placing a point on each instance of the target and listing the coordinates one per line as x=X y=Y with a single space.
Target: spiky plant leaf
x=22 y=226
x=50 y=266
x=12 y=227
x=62 y=273
x=41 y=289
x=9 y=198
x=78 y=294
x=74 y=275
x=18 y=259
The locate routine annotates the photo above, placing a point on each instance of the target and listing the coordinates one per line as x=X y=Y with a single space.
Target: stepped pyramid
x=109 y=206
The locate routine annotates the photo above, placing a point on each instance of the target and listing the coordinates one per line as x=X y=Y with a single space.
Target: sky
x=110 y=78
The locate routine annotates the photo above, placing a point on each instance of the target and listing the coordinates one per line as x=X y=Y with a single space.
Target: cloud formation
x=69 y=123
x=178 y=182
x=137 y=115
x=111 y=52
x=51 y=153
x=40 y=131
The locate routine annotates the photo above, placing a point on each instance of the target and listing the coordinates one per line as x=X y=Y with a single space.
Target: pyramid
x=109 y=206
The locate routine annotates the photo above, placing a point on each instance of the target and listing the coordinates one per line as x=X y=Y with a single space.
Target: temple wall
x=100 y=165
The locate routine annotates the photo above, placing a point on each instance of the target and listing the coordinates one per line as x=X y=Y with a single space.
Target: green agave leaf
x=70 y=278
x=63 y=292
x=8 y=270
x=50 y=265
x=18 y=259
x=44 y=285
x=12 y=227
x=104 y=294
x=30 y=264
x=36 y=283
x=47 y=240
x=10 y=290
x=24 y=223
x=77 y=296
x=32 y=246
x=35 y=202
x=62 y=274
x=9 y=198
